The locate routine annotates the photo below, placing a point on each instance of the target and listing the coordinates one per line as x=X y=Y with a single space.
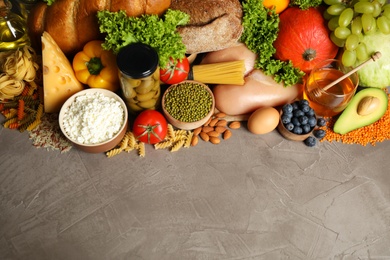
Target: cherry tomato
x=150 y=126
x=175 y=72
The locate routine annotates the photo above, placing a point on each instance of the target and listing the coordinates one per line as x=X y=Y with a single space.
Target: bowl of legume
x=188 y=104
x=94 y=120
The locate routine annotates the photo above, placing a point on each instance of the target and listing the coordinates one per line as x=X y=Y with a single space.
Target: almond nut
x=235 y=125
x=207 y=129
x=197 y=130
x=213 y=134
x=207 y=122
x=214 y=140
x=213 y=122
x=220 y=129
x=220 y=115
x=194 y=140
x=227 y=134
x=221 y=122
x=205 y=137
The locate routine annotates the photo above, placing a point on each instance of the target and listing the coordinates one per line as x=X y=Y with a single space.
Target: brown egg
x=263 y=120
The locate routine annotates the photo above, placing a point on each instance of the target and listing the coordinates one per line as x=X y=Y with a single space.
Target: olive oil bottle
x=13 y=28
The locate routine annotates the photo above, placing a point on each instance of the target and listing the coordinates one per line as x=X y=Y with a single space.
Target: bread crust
x=35 y=22
x=85 y=18
x=214 y=24
x=219 y=34
x=132 y=8
x=203 y=12
x=61 y=25
x=157 y=6
x=72 y=23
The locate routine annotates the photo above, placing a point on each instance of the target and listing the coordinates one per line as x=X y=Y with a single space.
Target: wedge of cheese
x=59 y=80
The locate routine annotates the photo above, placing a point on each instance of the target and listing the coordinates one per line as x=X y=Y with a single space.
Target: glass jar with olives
x=139 y=77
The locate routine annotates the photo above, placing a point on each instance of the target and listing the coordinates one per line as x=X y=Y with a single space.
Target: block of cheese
x=59 y=80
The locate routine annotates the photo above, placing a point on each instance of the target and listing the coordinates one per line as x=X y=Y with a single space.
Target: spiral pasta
x=188 y=139
x=141 y=150
x=176 y=147
x=163 y=145
x=170 y=131
x=113 y=152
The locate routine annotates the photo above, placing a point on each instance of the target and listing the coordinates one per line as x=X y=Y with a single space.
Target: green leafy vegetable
x=49 y=2
x=305 y=4
x=159 y=33
x=261 y=27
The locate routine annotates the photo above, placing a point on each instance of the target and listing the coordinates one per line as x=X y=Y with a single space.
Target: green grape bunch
x=349 y=21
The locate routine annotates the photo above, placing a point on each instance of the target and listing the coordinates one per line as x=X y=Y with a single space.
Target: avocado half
x=365 y=108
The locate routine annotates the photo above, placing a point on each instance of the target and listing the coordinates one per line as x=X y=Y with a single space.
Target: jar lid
x=137 y=60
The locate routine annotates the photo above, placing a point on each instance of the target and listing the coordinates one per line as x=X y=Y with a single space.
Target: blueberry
x=303 y=102
x=289 y=126
x=285 y=119
x=297 y=130
x=287 y=108
x=305 y=108
x=298 y=113
x=310 y=141
x=319 y=133
x=312 y=121
x=295 y=105
x=321 y=122
x=310 y=112
x=295 y=121
x=303 y=120
x=290 y=115
x=306 y=129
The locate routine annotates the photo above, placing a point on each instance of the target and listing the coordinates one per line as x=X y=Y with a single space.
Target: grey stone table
x=250 y=197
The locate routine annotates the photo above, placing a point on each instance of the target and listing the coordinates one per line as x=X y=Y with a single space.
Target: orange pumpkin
x=304 y=38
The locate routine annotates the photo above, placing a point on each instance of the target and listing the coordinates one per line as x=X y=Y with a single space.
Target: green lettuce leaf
x=159 y=33
x=261 y=27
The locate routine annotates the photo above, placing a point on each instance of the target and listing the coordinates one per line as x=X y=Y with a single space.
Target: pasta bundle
x=21 y=65
x=9 y=87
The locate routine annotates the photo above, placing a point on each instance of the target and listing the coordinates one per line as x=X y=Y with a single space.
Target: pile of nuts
x=214 y=129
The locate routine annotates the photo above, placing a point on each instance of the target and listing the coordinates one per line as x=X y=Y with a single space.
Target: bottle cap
x=137 y=60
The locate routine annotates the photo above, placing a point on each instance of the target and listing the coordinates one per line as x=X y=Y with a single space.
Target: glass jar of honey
x=139 y=75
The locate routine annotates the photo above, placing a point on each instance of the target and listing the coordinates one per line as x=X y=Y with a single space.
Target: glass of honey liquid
x=332 y=101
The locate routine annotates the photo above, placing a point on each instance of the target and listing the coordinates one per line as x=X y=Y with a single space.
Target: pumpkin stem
x=309 y=54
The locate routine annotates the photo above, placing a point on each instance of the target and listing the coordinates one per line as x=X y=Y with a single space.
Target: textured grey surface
x=250 y=197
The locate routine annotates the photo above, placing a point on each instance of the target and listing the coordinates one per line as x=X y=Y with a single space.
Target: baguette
x=72 y=23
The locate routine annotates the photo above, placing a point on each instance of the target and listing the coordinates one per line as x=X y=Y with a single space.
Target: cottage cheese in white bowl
x=94 y=120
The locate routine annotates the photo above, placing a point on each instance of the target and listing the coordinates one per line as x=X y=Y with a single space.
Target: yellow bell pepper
x=96 y=67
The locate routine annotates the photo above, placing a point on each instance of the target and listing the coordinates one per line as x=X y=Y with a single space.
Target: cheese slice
x=59 y=80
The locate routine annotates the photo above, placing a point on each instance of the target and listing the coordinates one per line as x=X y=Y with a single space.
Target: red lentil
x=371 y=134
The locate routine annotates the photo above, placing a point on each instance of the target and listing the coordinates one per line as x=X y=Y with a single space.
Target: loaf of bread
x=214 y=24
x=72 y=23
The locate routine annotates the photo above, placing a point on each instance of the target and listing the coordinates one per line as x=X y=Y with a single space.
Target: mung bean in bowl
x=188 y=104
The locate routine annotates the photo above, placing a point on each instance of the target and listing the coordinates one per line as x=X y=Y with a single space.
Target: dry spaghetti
x=230 y=72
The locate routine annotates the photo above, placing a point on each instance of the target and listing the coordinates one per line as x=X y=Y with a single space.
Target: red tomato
x=150 y=126
x=175 y=72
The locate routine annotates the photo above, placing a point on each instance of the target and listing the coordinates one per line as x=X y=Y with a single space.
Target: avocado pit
x=368 y=105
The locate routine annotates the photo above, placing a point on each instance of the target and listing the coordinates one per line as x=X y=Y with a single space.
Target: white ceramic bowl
x=103 y=146
x=188 y=125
